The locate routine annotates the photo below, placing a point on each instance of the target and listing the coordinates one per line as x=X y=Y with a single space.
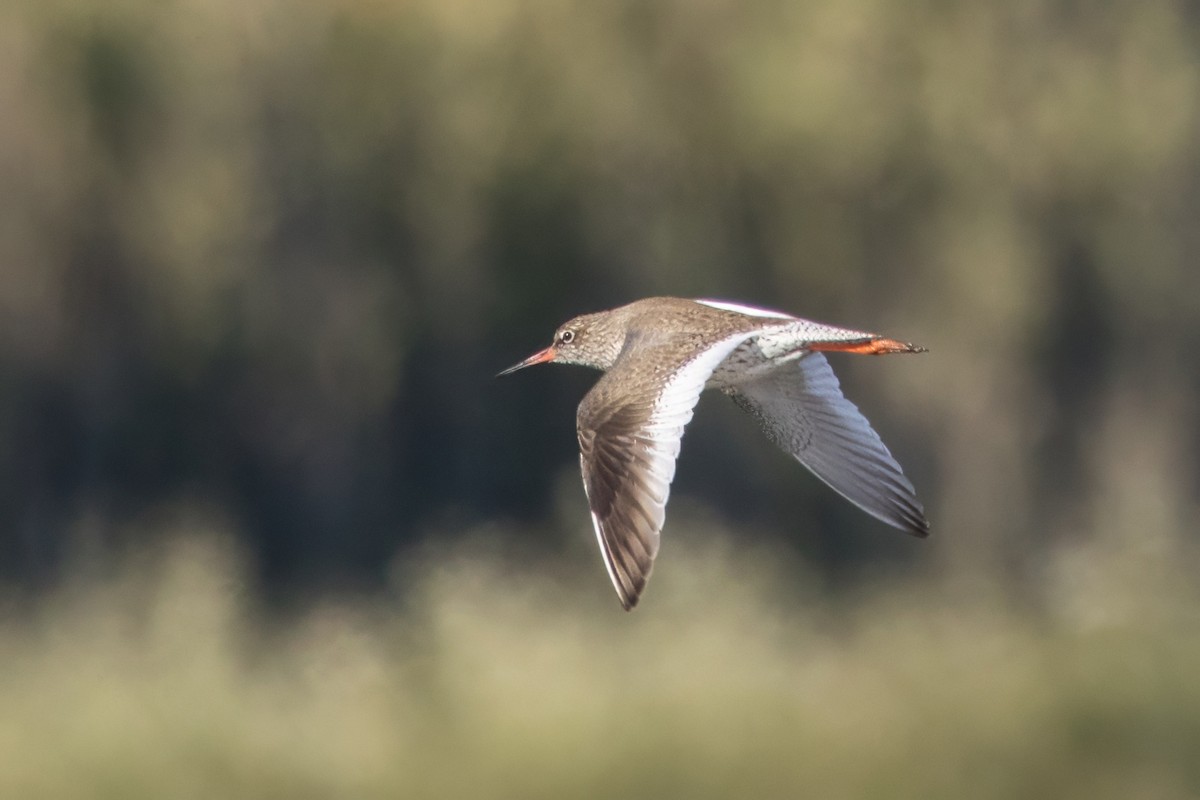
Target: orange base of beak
x=540 y=357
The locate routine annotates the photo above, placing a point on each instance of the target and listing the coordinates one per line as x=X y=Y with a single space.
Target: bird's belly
x=751 y=361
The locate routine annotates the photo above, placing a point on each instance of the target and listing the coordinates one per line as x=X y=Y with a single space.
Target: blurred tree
x=266 y=258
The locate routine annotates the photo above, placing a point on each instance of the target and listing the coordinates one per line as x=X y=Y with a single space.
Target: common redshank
x=658 y=355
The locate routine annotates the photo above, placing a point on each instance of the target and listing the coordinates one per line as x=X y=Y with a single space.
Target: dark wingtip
x=629 y=599
x=910 y=518
x=917 y=526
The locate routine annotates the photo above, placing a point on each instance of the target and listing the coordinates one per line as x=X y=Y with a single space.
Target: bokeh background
x=270 y=528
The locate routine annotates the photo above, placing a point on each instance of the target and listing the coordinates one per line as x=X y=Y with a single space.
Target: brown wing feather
x=630 y=426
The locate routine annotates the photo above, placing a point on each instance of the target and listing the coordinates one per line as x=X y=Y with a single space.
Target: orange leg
x=872 y=347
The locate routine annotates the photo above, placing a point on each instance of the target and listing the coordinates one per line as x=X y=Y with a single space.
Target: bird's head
x=593 y=340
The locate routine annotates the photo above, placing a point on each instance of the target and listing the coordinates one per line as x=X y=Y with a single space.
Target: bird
x=657 y=355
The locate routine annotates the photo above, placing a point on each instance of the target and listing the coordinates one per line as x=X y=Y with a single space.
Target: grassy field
x=165 y=678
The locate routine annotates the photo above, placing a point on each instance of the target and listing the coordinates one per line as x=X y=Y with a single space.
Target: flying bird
x=658 y=355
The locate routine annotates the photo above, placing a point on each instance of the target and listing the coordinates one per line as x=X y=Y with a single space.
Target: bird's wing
x=630 y=427
x=779 y=340
x=801 y=408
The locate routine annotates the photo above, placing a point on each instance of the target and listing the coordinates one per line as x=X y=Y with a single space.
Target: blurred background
x=269 y=527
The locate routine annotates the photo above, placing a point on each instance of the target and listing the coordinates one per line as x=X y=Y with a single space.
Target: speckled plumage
x=659 y=354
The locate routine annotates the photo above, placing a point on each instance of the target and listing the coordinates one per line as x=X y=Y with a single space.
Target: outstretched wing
x=801 y=408
x=630 y=426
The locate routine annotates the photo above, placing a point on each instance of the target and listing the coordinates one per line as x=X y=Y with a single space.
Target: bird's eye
x=566 y=337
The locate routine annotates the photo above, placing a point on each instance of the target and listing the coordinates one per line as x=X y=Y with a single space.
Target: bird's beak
x=537 y=358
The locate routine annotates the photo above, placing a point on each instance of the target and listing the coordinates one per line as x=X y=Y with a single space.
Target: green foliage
x=496 y=680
